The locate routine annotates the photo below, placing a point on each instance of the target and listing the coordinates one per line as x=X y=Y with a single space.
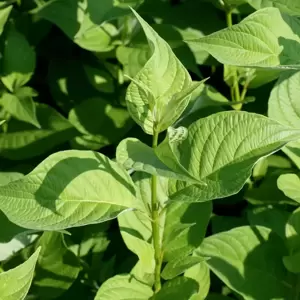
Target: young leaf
x=180 y=265
x=4 y=14
x=68 y=189
x=179 y=288
x=201 y=274
x=222 y=149
x=123 y=287
x=290 y=185
x=18 y=61
x=162 y=85
x=20 y=105
x=15 y=283
x=266 y=38
x=248 y=257
x=57 y=267
x=133 y=154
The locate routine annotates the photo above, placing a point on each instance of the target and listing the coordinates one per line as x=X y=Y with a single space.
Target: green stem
x=155 y=224
x=236 y=96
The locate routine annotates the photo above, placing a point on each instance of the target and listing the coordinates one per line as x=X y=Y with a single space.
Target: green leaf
x=18 y=61
x=85 y=22
x=221 y=150
x=112 y=122
x=179 y=288
x=100 y=79
x=57 y=267
x=266 y=38
x=289 y=184
x=15 y=283
x=179 y=265
x=155 y=92
x=269 y=217
x=292 y=233
x=4 y=14
x=23 y=141
x=248 y=257
x=21 y=106
x=201 y=274
x=133 y=154
x=183 y=225
x=68 y=189
x=290 y=7
x=123 y=287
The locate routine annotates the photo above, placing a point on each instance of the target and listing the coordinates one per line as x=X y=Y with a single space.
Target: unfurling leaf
x=160 y=92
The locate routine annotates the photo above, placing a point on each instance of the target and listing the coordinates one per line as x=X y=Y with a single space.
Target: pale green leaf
x=161 y=85
x=123 y=287
x=57 y=267
x=15 y=283
x=292 y=232
x=247 y=257
x=221 y=150
x=292 y=262
x=133 y=154
x=201 y=274
x=18 y=61
x=266 y=38
x=4 y=14
x=179 y=265
x=290 y=185
x=20 y=105
x=179 y=288
x=23 y=141
x=68 y=189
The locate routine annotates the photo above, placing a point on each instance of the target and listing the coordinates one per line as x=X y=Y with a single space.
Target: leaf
x=266 y=38
x=288 y=6
x=179 y=288
x=68 y=189
x=201 y=274
x=247 y=257
x=23 y=141
x=4 y=14
x=112 y=122
x=183 y=226
x=15 y=283
x=292 y=233
x=100 y=79
x=289 y=184
x=84 y=24
x=180 y=265
x=21 y=106
x=123 y=287
x=133 y=154
x=221 y=150
x=18 y=61
x=57 y=267
x=155 y=91
x=269 y=217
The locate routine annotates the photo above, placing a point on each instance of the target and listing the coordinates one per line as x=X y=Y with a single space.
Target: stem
x=155 y=224
x=236 y=96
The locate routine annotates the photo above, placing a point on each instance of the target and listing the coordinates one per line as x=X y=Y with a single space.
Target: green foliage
x=149 y=149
